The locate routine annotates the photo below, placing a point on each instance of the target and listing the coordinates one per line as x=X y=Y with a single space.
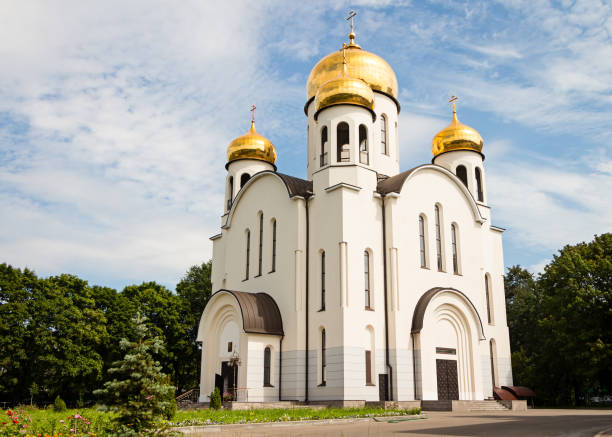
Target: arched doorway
x=447 y=331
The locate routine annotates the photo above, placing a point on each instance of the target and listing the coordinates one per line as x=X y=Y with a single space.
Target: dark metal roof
x=503 y=394
x=394 y=184
x=260 y=314
x=421 y=307
x=296 y=186
x=519 y=391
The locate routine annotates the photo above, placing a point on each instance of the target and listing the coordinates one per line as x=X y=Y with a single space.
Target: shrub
x=215 y=399
x=59 y=405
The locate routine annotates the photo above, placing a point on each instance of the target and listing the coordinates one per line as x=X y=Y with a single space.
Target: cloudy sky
x=115 y=117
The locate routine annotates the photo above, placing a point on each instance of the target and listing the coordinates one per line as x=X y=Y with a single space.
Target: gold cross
x=253 y=111
x=350 y=17
x=453 y=98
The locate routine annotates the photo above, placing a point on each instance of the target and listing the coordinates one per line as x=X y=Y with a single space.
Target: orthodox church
x=361 y=282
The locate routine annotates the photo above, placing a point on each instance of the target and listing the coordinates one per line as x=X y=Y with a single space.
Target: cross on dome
x=352 y=34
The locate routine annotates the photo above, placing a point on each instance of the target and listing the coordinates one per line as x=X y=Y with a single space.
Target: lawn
x=210 y=417
x=33 y=422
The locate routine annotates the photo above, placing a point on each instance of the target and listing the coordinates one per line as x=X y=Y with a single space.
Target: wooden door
x=448 y=387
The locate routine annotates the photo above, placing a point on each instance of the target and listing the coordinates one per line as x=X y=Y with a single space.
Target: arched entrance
x=235 y=329
x=446 y=331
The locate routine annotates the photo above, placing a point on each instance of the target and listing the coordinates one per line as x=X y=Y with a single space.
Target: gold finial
x=352 y=34
x=452 y=100
x=253 y=117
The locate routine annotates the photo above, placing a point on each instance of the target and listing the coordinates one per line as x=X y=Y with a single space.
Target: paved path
x=549 y=423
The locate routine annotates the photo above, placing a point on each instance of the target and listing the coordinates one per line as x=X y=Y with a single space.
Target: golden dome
x=368 y=67
x=251 y=145
x=456 y=136
x=344 y=90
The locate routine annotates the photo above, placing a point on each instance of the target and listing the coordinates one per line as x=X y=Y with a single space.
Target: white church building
x=361 y=282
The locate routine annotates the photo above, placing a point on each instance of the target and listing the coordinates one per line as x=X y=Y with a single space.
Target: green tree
x=194 y=290
x=139 y=393
x=561 y=323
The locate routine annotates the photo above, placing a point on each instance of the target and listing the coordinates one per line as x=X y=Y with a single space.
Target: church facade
x=360 y=282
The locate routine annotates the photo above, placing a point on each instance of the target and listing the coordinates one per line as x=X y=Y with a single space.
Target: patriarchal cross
x=253 y=111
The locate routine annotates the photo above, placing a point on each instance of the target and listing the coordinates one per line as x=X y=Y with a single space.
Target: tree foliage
x=60 y=336
x=561 y=323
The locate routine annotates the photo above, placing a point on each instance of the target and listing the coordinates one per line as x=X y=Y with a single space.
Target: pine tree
x=139 y=393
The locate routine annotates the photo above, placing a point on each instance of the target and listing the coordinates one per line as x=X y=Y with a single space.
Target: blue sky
x=115 y=117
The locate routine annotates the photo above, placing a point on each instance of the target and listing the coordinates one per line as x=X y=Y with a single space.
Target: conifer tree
x=139 y=392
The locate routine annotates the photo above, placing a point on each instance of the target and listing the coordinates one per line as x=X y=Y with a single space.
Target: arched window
x=489 y=298
x=230 y=192
x=422 y=241
x=248 y=253
x=323 y=359
x=267 y=363
x=244 y=179
x=273 y=269
x=366 y=278
x=479 y=185
x=454 y=244
x=342 y=142
x=324 y=146
x=438 y=239
x=260 y=258
x=363 y=144
x=462 y=174
x=322 y=281
x=383 y=135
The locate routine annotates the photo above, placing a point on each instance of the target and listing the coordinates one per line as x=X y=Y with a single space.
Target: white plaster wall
x=480 y=252
x=255 y=368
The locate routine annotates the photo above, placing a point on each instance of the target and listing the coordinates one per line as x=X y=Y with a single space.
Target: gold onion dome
x=344 y=90
x=251 y=145
x=370 y=68
x=456 y=136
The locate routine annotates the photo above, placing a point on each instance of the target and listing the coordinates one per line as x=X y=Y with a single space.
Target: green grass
x=47 y=422
x=213 y=417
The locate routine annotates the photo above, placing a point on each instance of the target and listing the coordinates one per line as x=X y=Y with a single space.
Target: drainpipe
x=388 y=362
x=307 y=304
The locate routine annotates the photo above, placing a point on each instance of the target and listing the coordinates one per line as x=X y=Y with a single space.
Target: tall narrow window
x=230 y=192
x=454 y=244
x=267 y=361
x=438 y=239
x=422 y=241
x=366 y=278
x=488 y=297
x=363 y=144
x=479 y=185
x=462 y=174
x=323 y=156
x=383 y=135
x=248 y=253
x=323 y=359
x=260 y=259
x=322 y=281
x=273 y=269
x=244 y=179
x=368 y=366
x=342 y=142
x=492 y=352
